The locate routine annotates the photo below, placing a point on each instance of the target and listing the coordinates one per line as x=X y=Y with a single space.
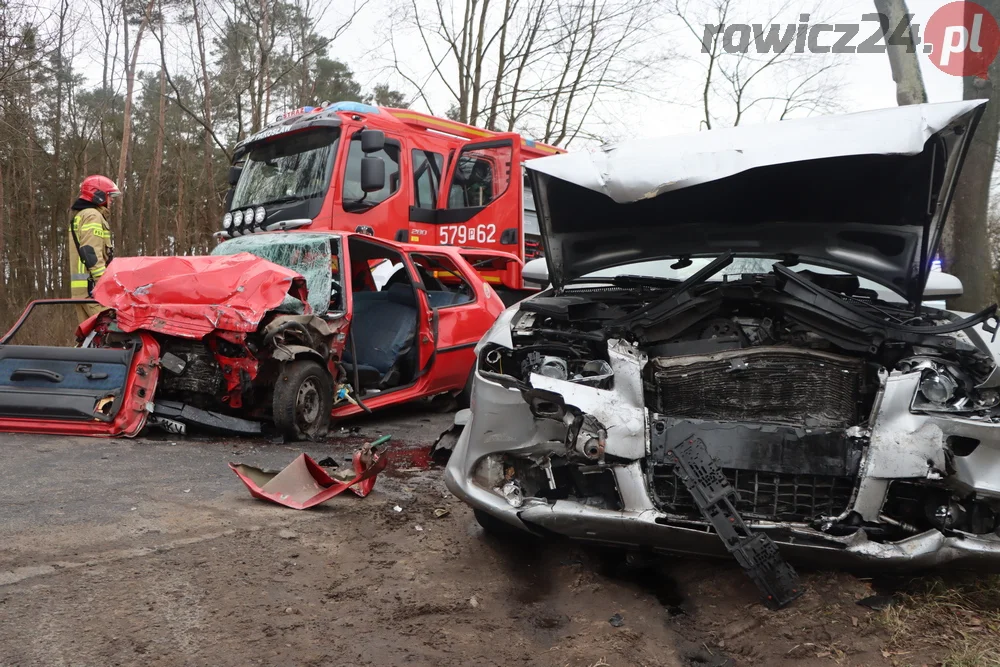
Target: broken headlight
x=945 y=387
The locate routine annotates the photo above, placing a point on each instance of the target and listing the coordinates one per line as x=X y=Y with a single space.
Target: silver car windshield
x=741 y=265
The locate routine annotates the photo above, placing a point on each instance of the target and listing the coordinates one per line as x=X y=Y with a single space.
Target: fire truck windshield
x=287 y=169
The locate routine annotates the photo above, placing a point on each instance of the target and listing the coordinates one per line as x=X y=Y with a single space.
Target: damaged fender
x=617 y=416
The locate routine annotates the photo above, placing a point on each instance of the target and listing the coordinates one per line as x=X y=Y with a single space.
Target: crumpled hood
x=192 y=296
x=866 y=193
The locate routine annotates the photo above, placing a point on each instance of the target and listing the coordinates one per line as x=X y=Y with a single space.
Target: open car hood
x=865 y=193
x=192 y=296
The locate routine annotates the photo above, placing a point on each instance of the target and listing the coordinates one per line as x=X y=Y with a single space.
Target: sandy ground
x=151 y=552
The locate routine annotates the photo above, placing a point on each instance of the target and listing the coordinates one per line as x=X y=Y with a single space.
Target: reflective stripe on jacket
x=92 y=229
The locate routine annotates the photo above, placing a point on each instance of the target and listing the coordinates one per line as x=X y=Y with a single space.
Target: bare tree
x=537 y=66
x=897 y=32
x=130 y=68
x=754 y=63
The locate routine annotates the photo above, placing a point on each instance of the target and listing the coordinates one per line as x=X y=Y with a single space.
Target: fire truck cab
x=392 y=173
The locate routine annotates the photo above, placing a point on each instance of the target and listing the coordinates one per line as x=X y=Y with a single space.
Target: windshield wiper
x=624 y=280
x=655 y=309
x=283 y=200
x=287 y=199
x=631 y=280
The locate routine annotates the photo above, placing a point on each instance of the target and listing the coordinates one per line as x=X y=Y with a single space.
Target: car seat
x=384 y=328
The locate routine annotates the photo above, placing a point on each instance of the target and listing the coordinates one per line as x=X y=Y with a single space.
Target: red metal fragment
x=304 y=483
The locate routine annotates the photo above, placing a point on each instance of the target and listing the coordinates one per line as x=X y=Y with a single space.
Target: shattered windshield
x=310 y=255
x=288 y=169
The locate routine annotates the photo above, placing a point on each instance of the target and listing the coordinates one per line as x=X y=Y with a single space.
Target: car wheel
x=497 y=528
x=303 y=398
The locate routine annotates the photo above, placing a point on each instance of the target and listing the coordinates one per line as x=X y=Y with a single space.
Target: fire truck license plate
x=463 y=234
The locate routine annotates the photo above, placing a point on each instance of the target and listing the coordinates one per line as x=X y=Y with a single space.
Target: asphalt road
x=151 y=552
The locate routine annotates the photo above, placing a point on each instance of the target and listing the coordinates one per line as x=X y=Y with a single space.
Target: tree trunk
x=965 y=248
x=903 y=59
x=127 y=118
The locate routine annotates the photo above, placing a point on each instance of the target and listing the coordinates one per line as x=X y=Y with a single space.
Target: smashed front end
x=853 y=431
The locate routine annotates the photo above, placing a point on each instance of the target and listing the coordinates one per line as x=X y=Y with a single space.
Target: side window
x=355 y=199
x=444 y=283
x=481 y=175
x=426 y=177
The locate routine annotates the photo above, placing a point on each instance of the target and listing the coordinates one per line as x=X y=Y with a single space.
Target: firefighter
x=90 y=244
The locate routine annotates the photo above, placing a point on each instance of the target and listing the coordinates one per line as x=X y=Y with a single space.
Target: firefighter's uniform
x=90 y=227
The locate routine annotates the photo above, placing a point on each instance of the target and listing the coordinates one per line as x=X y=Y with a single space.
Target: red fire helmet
x=98 y=190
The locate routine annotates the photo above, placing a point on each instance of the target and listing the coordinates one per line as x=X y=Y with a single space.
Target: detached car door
x=65 y=390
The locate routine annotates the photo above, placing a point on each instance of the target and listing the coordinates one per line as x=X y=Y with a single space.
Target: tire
x=303 y=399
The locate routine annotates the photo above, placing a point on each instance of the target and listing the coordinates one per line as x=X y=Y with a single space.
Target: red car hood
x=192 y=296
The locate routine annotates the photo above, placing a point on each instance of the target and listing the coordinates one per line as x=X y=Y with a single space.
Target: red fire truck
x=392 y=173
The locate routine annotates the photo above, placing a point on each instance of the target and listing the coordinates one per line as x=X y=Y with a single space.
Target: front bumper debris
x=905 y=447
x=755 y=552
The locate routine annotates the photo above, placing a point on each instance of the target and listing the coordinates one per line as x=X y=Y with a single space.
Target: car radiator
x=764 y=496
x=783 y=385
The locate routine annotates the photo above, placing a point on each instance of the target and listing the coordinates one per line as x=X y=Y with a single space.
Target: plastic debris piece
x=616 y=621
x=419 y=527
x=441 y=512
x=397 y=508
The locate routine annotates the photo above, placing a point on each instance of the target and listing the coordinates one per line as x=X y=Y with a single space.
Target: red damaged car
x=289 y=329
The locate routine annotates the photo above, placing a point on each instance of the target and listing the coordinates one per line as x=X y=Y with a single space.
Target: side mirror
x=234 y=175
x=942 y=285
x=372 y=174
x=536 y=271
x=372 y=141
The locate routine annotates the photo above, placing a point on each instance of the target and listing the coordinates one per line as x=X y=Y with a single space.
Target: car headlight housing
x=237 y=222
x=938 y=387
x=227 y=221
x=258 y=215
x=248 y=219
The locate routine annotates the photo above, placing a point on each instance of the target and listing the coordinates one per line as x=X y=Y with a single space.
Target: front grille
x=764 y=496
x=766 y=384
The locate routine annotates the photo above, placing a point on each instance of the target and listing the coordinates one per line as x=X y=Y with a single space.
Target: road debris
x=304 y=483
x=877 y=602
x=441 y=512
x=441 y=450
x=616 y=621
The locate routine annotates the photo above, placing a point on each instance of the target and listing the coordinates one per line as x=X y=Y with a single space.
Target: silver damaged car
x=766 y=291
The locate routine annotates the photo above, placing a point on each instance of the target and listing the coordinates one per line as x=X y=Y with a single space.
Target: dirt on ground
x=151 y=552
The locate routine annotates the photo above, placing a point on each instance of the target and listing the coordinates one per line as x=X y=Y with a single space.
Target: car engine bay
x=780 y=374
